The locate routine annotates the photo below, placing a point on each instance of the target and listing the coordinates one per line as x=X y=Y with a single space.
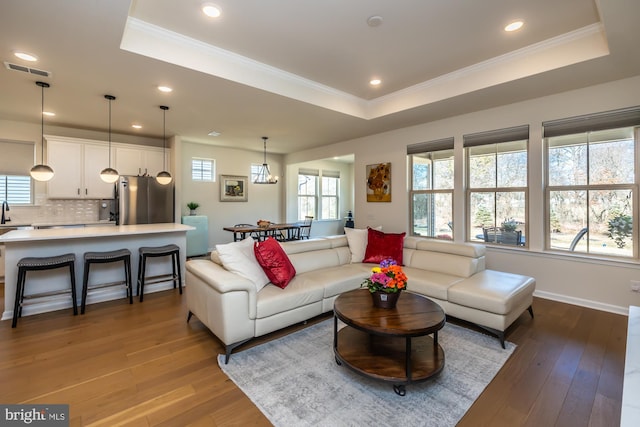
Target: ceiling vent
x=35 y=71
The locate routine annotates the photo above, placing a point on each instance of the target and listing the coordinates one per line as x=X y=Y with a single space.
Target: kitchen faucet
x=5 y=218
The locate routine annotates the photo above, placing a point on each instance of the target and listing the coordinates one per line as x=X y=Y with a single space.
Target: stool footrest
x=150 y=280
x=47 y=294
x=105 y=285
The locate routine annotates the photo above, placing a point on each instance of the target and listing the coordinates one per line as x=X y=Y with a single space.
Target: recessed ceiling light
x=211 y=10
x=375 y=82
x=514 y=26
x=48 y=113
x=214 y=133
x=136 y=126
x=26 y=56
x=165 y=89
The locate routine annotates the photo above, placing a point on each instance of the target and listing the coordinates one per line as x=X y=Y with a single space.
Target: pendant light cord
x=109 y=132
x=164 y=139
x=42 y=127
x=264 y=140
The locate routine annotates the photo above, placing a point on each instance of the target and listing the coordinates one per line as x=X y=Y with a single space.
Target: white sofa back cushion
x=239 y=258
x=358 y=239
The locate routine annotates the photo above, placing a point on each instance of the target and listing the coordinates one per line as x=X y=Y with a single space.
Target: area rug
x=295 y=381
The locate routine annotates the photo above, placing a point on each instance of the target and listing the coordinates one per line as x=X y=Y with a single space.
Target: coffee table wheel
x=400 y=390
x=338 y=361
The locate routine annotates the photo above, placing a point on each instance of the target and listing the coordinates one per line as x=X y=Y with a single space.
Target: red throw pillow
x=275 y=262
x=381 y=246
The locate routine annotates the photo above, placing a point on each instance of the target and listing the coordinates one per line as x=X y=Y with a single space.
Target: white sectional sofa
x=451 y=274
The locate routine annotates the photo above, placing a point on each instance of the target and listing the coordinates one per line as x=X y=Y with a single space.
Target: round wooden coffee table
x=389 y=344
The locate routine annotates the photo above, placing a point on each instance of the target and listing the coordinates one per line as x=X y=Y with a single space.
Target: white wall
x=264 y=201
x=574 y=279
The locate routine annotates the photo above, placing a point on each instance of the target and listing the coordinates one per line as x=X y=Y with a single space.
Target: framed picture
x=233 y=188
x=379 y=182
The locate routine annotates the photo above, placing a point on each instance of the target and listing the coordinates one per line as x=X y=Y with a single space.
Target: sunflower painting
x=379 y=182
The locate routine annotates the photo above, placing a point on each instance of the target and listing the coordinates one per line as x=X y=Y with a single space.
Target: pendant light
x=264 y=174
x=164 y=177
x=42 y=172
x=109 y=174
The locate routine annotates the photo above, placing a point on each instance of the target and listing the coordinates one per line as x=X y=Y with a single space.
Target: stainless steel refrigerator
x=141 y=200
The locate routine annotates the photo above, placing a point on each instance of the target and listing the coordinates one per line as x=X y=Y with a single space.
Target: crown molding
x=156 y=42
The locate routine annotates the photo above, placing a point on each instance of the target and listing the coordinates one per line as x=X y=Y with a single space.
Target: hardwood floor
x=143 y=365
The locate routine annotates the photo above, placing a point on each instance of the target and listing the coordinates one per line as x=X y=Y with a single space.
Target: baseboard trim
x=582 y=302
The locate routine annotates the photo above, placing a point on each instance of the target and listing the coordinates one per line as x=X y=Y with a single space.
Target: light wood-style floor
x=143 y=365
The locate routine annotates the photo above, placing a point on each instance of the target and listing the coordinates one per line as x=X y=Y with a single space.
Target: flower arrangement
x=388 y=278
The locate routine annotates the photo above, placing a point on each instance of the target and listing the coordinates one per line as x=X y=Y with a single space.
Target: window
x=431 y=190
x=591 y=186
x=15 y=189
x=255 y=171
x=307 y=193
x=203 y=169
x=329 y=190
x=497 y=185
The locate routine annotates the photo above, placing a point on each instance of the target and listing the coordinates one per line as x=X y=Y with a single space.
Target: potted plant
x=509 y=225
x=385 y=283
x=192 y=207
x=620 y=227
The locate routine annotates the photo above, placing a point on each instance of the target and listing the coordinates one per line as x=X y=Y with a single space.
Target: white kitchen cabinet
x=139 y=160
x=76 y=166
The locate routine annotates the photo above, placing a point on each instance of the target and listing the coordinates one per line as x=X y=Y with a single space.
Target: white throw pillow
x=357 y=239
x=239 y=258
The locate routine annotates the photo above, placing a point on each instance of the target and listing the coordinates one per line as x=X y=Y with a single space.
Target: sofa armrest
x=223 y=281
x=223 y=301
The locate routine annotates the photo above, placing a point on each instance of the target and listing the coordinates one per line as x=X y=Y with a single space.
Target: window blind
x=435 y=145
x=308 y=172
x=331 y=174
x=591 y=122
x=17 y=157
x=516 y=133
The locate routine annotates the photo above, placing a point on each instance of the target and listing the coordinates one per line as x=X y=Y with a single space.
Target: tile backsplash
x=57 y=210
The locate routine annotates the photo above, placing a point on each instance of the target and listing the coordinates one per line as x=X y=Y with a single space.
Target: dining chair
x=254 y=234
x=496 y=235
x=305 y=229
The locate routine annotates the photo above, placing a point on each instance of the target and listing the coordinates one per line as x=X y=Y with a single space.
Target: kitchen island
x=58 y=241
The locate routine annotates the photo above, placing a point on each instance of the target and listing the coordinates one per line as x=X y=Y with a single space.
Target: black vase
x=385 y=300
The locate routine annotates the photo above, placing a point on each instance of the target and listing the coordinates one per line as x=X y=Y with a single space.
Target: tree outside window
x=307 y=195
x=497 y=189
x=591 y=186
x=432 y=194
x=330 y=187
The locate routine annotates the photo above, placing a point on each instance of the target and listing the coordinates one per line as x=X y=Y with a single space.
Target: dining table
x=282 y=232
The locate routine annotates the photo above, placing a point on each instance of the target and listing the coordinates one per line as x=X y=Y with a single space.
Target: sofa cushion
x=299 y=292
x=429 y=283
x=274 y=262
x=357 y=239
x=238 y=257
x=493 y=291
x=381 y=246
x=314 y=260
x=340 y=279
x=440 y=262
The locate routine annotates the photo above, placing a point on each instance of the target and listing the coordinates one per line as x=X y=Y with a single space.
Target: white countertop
x=88 y=232
x=70 y=223
x=631 y=386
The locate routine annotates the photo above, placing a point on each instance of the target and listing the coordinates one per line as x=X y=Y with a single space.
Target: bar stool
x=154 y=252
x=118 y=255
x=43 y=263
